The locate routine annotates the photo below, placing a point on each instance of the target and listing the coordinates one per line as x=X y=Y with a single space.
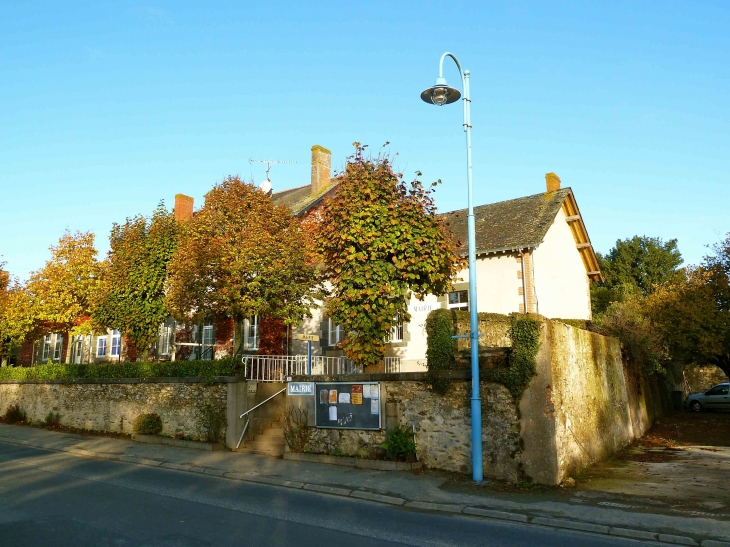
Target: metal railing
x=245 y=427
x=276 y=368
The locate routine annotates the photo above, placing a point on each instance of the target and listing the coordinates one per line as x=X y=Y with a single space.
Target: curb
x=443 y=508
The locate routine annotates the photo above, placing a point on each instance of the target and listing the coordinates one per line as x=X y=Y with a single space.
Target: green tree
x=17 y=315
x=242 y=255
x=132 y=296
x=381 y=240
x=635 y=266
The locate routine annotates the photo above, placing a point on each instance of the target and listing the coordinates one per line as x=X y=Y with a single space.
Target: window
x=252 y=334
x=208 y=341
x=116 y=343
x=101 y=346
x=46 y=353
x=335 y=334
x=165 y=335
x=396 y=333
x=57 y=348
x=718 y=390
x=459 y=300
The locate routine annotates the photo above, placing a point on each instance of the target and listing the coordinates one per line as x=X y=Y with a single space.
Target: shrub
x=69 y=371
x=148 y=424
x=296 y=429
x=53 y=419
x=214 y=424
x=401 y=444
x=440 y=352
x=14 y=414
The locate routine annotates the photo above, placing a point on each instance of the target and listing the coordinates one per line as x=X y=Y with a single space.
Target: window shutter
x=324 y=327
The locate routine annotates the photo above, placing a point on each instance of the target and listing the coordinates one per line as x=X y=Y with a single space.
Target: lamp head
x=440 y=93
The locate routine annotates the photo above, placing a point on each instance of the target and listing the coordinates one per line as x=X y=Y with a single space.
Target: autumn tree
x=62 y=291
x=693 y=313
x=242 y=255
x=381 y=240
x=132 y=293
x=635 y=266
x=17 y=317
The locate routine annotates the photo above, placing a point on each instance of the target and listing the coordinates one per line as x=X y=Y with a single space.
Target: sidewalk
x=415 y=491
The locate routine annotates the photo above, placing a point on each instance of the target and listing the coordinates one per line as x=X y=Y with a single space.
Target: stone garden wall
x=113 y=405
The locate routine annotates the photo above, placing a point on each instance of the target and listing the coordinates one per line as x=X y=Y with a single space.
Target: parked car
x=717 y=397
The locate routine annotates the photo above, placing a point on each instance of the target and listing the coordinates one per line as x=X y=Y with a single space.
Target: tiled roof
x=300 y=200
x=509 y=225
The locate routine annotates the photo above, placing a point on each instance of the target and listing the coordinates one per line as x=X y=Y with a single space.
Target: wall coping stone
x=150 y=380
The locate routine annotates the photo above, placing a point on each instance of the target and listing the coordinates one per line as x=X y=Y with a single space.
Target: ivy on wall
x=522 y=358
x=521 y=364
x=440 y=352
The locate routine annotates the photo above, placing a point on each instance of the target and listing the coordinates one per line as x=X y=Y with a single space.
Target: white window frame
x=116 y=344
x=252 y=333
x=335 y=333
x=46 y=352
x=57 y=347
x=396 y=333
x=459 y=305
x=165 y=337
x=101 y=347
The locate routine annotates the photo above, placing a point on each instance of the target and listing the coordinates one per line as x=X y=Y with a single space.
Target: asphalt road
x=54 y=499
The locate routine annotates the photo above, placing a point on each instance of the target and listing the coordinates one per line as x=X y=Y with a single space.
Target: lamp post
x=440 y=94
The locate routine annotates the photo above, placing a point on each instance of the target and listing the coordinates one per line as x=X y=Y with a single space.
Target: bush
x=53 y=419
x=522 y=358
x=14 y=414
x=214 y=424
x=440 y=352
x=175 y=369
x=296 y=429
x=148 y=424
x=401 y=444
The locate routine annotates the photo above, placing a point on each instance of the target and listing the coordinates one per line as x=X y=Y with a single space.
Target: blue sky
x=108 y=108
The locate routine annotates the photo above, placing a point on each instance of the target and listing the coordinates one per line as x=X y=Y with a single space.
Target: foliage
x=692 y=315
x=440 y=351
x=521 y=360
x=53 y=419
x=240 y=256
x=296 y=428
x=380 y=239
x=633 y=266
x=641 y=343
x=148 y=424
x=14 y=414
x=169 y=369
x=272 y=336
x=400 y=444
x=214 y=423
x=132 y=296
x=17 y=316
x=62 y=291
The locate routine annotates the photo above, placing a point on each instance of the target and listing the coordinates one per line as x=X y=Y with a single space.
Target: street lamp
x=440 y=94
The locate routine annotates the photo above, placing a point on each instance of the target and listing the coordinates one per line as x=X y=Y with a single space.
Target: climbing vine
x=440 y=352
x=522 y=356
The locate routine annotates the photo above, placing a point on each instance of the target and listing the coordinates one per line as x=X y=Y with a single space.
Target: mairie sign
x=300 y=388
x=307 y=337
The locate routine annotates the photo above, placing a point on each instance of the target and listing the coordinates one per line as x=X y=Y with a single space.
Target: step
x=272 y=453
x=278 y=439
x=265 y=445
x=274 y=431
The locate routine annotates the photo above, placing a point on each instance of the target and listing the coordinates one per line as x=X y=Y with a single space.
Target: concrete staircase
x=269 y=442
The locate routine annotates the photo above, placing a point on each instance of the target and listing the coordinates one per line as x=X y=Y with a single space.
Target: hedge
x=169 y=369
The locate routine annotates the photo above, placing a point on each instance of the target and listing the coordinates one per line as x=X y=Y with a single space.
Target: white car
x=717 y=397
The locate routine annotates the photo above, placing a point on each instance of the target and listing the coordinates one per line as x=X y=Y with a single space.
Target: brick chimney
x=552 y=181
x=321 y=169
x=183 y=207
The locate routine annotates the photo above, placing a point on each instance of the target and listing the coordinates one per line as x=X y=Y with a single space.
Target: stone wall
x=442 y=426
x=583 y=404
x=113 y=405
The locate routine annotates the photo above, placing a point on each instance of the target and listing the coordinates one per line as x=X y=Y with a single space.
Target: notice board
x=347 y=405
